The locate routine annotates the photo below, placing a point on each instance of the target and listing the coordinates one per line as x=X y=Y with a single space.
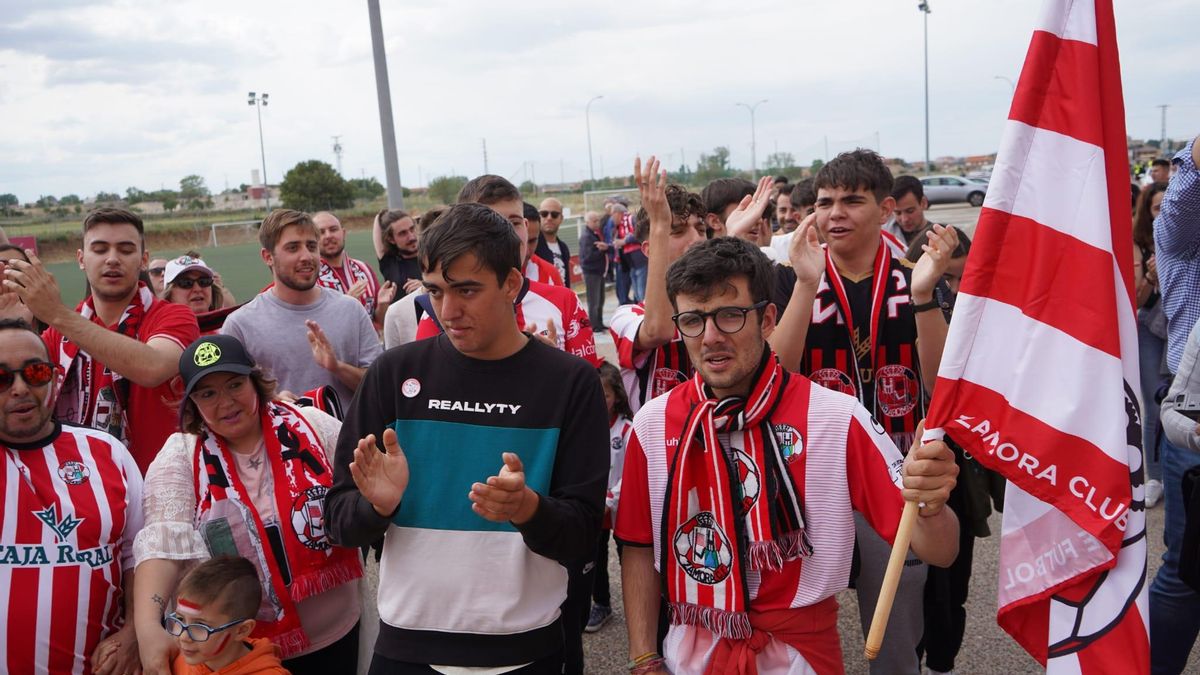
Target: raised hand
x=413 y=285
x=387 y=293
x=322 y=349
x=35 y=285
x=504 y=497
x=745 y=220
x=652 y=186
x=381 y=477
x=806 y=254
x=934 y=261
x=550 y=336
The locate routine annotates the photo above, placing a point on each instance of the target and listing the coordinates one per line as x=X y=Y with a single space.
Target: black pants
x=339 y=657
x=381 y=665
x=945 y=611
x=594 y=284
x=600 y=594
x=575 y=610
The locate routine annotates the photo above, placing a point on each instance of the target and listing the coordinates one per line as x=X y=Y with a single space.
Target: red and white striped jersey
x=72 y=505
x=540 y=305
x=855 y=467
x=651 y=373
x=542 y=272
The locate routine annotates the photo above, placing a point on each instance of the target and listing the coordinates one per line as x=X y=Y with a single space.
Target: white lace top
x=170 y=503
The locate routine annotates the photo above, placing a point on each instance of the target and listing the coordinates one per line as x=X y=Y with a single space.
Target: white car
x=954 y=189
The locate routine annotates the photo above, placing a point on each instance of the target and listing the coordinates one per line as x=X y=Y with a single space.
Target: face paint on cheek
x=224 y=641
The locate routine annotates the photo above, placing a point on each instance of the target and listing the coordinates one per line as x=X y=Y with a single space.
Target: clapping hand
x=322 y=349
x=933 y=262
x=652 y=186
x=357 y=289
x=381 y=477
x=387 y=293
x=550 y=336
x=744 y=221
x=504 y=497
x=805 y=253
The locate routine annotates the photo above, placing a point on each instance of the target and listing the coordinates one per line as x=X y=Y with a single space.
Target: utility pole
x=1162 y=144
x=925 y=11
x=337 y=151
x=753 y=142
x=485 y=166
x=391 y=162
x=587 y=118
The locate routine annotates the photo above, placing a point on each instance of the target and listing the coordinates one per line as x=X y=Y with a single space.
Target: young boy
x=213 y=619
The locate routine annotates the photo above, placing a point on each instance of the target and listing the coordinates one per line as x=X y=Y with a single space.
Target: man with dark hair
x=724 y=474
x=346 y=275
x=873 y=330
x=550 y=248
x=650 y=353
x=593 y=260
x=1160 y=171
x=791 y=207
x=536 y=267
x=71 y=505
x=447 y=411
x=119 y=348
x=909 y=225
x=721 y=197
x=307 y=336
x=394 y=236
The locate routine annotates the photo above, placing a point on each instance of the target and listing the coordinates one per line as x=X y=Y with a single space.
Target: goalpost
x=246 y=227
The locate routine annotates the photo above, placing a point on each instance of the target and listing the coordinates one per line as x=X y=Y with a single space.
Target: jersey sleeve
x=873 y=466
x=134 y=516
x=634 y=526
x=625 y=324
x=174 y=322
x=579 y=339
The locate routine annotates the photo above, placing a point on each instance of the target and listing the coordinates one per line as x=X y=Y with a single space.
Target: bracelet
x=649 y=666
x=639 y=660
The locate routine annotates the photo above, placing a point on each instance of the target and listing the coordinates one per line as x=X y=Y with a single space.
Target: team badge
x=832 y=378
x=411 y=387
x=748 y=478
x=573 y=329
x=791 y=444
x=664 y=380
x=896 y=390
x=207 y=354
x=618 y=442
x=73 y=473
x=703 y=550
x=308 y=518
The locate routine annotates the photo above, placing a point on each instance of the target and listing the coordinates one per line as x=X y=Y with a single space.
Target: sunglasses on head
x=35 y=374
x=549 y=214
x=186 y=283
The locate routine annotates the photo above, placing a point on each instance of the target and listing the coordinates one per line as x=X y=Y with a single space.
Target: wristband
x=639 y=660
x=650 y=666
x=925 y=306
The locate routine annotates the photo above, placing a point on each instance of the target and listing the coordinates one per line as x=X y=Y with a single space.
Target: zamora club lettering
x=1109 y=508
x=472 y=406
x=63 y=554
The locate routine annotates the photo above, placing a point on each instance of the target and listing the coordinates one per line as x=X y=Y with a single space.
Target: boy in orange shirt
x=213 y=619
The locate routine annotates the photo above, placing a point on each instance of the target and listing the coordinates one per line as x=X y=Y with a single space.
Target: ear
x=79 y=257
x=244 y=629
x=266 y=256
x=769 y=319
x=886 y=208
x=713 y=221
x=924 y=203
x=512 y=284
x=646 y=248
x=145 y=260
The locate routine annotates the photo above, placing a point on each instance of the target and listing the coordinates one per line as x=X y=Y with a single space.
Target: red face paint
x=224 y=641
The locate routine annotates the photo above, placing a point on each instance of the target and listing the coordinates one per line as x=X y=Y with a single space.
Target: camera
x=1188 y=405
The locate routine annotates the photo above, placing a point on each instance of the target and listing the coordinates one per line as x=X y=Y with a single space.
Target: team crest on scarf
x=832 y=378
x=308 y=518
x=664 y=380
x=791 y=444
x=896 y=389
x=748 y=477
x=703 y=550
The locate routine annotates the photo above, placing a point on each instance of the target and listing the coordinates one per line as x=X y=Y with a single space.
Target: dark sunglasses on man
x=157 y=271
x=186 y=283
x=35 y=374
x=550 y=214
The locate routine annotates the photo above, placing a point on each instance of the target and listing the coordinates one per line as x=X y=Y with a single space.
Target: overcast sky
x=105 y=95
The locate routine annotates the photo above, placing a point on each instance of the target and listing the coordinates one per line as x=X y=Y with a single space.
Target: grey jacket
x=1180 y=430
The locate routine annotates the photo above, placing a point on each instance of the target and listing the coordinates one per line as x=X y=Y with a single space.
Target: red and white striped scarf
x=356 y=271
x=226 y=517
x=712 y=493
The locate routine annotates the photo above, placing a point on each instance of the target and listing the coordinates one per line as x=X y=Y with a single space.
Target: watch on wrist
x=925 y=306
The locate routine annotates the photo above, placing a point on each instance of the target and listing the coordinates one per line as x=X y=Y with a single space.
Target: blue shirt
x=1177 y=254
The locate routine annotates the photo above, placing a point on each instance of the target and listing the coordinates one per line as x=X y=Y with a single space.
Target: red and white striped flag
x=1038 y=379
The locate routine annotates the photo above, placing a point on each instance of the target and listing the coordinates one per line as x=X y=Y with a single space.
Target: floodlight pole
x=258 y=102
x=587 y=117
x=925 y=11
x=391 y=163
x=753 y=141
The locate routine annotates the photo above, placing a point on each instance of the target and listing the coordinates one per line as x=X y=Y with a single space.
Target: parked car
x=954 y=189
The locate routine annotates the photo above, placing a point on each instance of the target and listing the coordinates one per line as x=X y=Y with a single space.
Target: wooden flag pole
x=891 y=580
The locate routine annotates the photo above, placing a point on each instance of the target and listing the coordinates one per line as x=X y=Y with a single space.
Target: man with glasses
x=740 y=486
x=157 y=271
x=70 y=504
x=549 y=247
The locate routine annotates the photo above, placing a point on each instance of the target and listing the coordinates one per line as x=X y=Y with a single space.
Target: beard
x=333 y=254
x=294 y=283
x=34 y=430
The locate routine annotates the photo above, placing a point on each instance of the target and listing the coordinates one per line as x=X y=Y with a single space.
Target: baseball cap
x=212 y=354
x=184 y=263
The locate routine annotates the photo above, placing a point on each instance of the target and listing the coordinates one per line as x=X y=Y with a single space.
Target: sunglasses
x=35 y=374
x=185 y=283
x=550 y=214
x=158 y=271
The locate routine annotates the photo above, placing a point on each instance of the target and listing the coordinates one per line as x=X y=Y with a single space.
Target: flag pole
x=891 y=580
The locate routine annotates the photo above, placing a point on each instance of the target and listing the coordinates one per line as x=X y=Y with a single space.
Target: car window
x=929 y=181
x=954 y=181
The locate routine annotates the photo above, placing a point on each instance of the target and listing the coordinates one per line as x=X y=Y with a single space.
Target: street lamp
x=1008 y=80
x=924 y=7
x=587 y=116
x=259 y=102
x=753 y=145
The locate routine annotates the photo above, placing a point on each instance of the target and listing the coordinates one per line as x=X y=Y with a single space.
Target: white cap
x=184 y=263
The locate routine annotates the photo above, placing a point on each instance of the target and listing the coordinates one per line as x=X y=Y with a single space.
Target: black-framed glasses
x=35 y=374
x=728 y=320
x=157 y=271
x=550 y=214
x=197 y=632
x=186 y=283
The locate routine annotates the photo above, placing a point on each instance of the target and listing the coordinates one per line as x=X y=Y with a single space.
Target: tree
x=47 y=201
x=444 y=189
x=107 y=197
x=715 y=165
x=134 y=195
x=169 y=202
x=367 y=188
x=8 y=199
x=528 y=188
x=816 y=165
x=314 y=186
x=70 y=200
x=192 y=188
x=779 y=162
